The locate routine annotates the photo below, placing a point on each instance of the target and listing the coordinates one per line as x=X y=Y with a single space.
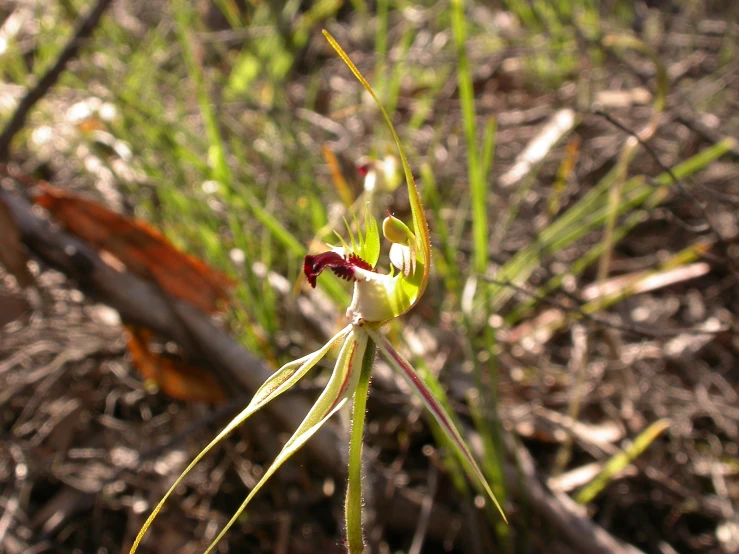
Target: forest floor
x=627 y=401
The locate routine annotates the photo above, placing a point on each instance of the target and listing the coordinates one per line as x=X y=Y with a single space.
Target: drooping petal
x=401 y=365
x=287 y=376
x=341 y=385
x=276 y=384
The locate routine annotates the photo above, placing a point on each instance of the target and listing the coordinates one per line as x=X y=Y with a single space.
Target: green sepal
x=421 y=239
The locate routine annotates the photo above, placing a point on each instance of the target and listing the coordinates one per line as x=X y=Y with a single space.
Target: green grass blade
x=590 y=213
x=476 y=175
x=620 y=461
x=220 y=170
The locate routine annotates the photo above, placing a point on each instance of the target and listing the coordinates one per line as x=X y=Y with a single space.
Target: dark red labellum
x=363 y=169
x=313 y=266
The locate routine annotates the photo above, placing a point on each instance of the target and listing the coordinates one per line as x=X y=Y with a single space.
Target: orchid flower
x=378 y=299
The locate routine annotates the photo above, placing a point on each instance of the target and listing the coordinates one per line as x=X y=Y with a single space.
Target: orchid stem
x=354 y=537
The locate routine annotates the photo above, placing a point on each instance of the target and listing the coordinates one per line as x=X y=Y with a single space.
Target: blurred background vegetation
x=582 y=315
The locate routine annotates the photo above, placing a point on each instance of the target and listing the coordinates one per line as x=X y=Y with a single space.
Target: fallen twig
x=143 y=303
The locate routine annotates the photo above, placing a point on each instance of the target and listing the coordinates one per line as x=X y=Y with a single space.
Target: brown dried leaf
x=174 y=376
x=12 y=254
x=141 y=248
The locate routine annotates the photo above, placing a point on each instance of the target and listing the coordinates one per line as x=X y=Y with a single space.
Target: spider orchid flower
x=378 y=299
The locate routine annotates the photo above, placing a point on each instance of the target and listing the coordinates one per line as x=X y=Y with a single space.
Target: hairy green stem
x=353 y=506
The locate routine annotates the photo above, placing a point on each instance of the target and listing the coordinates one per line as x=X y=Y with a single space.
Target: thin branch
x=141 y=303
x=49 y=79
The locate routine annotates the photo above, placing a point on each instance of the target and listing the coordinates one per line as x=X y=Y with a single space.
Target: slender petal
x=401 y=365
x=341 y=385
x=276 y=384
x=287 y=376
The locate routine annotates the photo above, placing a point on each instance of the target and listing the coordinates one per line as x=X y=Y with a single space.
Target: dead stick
x=141 y=303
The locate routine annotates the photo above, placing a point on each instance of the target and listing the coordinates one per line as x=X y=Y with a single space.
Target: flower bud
x=396 y=231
